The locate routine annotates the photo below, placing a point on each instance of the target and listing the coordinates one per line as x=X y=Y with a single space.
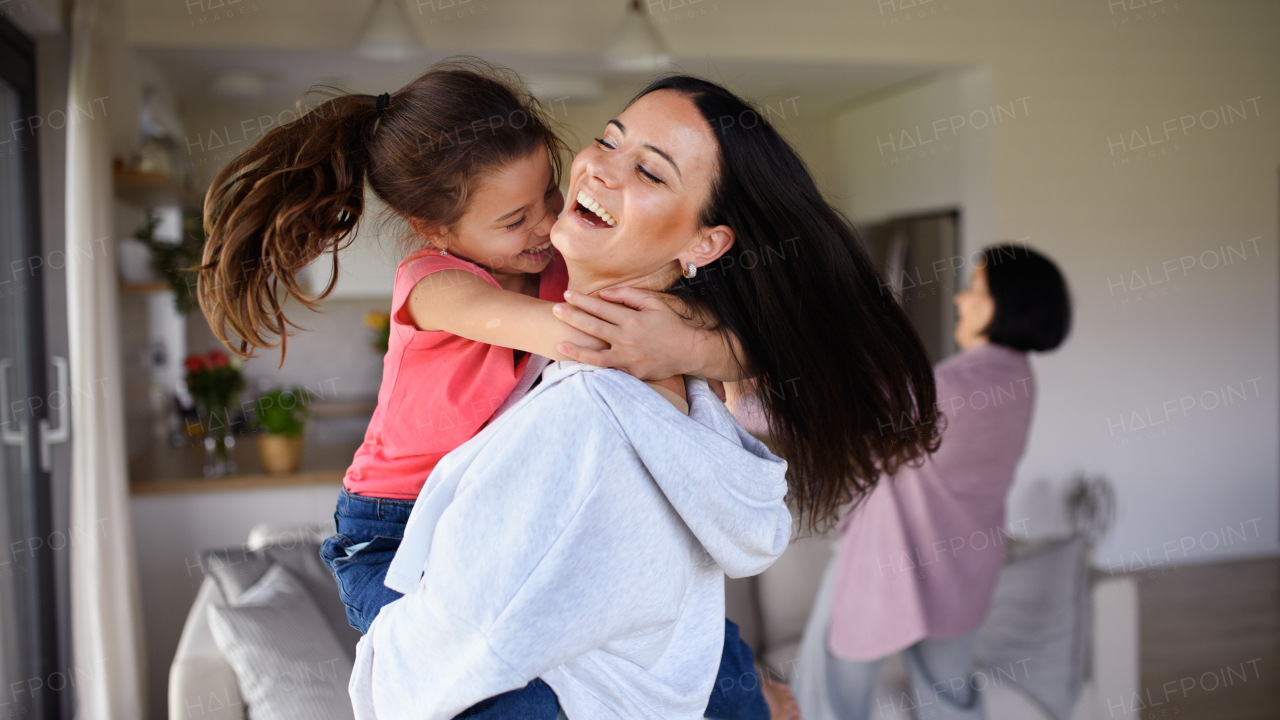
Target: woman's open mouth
x=593 y=212
x=539 y=251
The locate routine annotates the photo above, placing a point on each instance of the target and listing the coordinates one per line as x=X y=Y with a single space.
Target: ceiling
x=294 y=44
x=451 y=25
x=289 y=72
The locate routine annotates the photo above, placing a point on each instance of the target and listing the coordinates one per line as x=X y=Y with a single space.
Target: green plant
x=282 y=412
x=176 y=262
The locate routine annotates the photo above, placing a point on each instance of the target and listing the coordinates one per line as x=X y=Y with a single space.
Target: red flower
x=194 y=364
x=217 y=359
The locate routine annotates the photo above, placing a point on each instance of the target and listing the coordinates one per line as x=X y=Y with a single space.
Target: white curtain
x=105 y=612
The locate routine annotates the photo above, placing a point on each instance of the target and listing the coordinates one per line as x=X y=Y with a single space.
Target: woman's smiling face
x=636 y=196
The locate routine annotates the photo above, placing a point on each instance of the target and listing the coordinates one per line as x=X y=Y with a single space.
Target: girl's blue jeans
x=369 y=531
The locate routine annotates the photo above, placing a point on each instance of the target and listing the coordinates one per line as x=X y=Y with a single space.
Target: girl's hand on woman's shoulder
x=647 y=337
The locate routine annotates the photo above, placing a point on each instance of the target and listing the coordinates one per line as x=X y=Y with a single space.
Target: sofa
x=202 y=682
x=771 y=610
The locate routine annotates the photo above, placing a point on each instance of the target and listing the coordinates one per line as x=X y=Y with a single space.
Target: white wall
x=915 y=150
x=1194 y=484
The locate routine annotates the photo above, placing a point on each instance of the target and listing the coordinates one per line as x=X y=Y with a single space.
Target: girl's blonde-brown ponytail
x=299 y=190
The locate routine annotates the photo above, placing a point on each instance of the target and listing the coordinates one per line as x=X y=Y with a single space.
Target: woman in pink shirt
x=918 y=558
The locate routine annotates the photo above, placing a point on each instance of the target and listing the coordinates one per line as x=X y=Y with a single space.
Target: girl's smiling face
x=507 y=225
x=636 y=196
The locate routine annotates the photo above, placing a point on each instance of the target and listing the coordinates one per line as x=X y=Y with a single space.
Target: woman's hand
x=646 y=337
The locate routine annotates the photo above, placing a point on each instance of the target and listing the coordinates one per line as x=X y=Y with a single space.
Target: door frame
x=18 y=68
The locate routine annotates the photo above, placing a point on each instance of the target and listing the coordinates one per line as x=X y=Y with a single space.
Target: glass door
x=28 y=641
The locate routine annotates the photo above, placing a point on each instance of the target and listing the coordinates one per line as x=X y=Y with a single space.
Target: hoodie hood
x=725 y=484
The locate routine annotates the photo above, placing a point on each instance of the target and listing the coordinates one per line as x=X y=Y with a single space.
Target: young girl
x=468 y=159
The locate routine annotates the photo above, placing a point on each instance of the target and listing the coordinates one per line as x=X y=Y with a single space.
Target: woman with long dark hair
x=582 y=537
x=833 y=356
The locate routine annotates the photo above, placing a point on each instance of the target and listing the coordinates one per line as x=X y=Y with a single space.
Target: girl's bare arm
x=644 y=337
x=461 y=303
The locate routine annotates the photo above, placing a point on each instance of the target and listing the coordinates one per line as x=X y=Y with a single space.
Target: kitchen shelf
x=149 y=190
x=235 y=482
x=343 y=408
x=143 y=288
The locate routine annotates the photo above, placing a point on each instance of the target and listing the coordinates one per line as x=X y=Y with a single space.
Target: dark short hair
x=1033 y=307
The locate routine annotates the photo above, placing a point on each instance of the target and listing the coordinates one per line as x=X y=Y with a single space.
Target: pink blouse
x=919 y=557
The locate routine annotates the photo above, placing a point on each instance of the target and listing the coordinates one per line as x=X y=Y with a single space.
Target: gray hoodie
x=583 y=537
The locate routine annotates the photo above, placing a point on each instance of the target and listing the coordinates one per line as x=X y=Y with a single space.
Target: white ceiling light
x=636 y=47
x=386 y=35
x=238 y=85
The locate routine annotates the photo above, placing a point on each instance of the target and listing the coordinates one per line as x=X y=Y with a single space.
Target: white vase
x=134 y=261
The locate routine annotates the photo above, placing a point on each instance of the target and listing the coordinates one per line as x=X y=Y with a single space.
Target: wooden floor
x=1203 y=629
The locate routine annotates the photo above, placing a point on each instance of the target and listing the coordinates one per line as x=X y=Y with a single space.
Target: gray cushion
x=236 y=569
x=288 y=663
x=1036 y=633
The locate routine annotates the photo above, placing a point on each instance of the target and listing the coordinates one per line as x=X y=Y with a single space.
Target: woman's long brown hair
x=843 y=376
x=298 y=192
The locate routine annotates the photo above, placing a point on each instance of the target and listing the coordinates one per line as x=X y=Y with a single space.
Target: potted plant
x=380 y=324
x=1091 y=506
x=176 y=262
x=281 y=415
x=214 y=382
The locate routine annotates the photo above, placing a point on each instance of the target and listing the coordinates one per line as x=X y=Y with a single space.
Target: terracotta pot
x=280 y=453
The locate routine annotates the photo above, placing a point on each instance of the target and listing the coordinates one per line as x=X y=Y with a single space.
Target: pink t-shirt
x=438 y=389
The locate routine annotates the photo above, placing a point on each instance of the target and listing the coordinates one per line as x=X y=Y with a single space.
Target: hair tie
x=383 y=100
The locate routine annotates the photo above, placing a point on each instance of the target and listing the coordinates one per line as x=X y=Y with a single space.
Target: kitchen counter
x=167 y=469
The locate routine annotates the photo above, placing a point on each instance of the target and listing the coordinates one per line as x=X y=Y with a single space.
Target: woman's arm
x=461 y=303
x=644 y=337
x=648 y=338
